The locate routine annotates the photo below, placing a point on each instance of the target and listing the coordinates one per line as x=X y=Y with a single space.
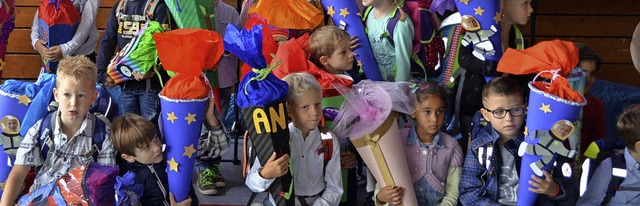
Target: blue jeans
x=142 y=102
x=116 y=96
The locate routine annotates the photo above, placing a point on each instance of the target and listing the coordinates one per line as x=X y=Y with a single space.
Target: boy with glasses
x=490 y=176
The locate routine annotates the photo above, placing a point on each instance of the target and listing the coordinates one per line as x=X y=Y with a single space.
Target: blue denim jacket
x=479 y=185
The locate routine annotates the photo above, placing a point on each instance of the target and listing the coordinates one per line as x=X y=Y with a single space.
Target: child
x=313 y=183
x=393 y=58
x=71 y=143
x=330 y=49
x=593 y=114
x=139 y=96
x=139 y=144
x=83 y=42
x=209 y=176
x=491 y=168
x=434 y=157
x=599 y=188
x=469 y=95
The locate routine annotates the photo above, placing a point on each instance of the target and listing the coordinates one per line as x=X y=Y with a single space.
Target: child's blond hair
x=132 y=131
x=77 y=69
x=324 y=40
x=301 y=83
x=628 y=126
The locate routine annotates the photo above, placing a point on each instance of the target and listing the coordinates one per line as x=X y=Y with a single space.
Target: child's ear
x=55 y=94
x=127 y=157
x=413 y=115
x=324 y=60
x=486 y=114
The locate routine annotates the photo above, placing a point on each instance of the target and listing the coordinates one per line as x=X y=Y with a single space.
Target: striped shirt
x=66 y=153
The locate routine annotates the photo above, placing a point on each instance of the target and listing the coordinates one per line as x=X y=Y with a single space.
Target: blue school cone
x=181 y=123
x=487 y=14
x=345 y=15
x=544 y=110
x=57 y=23
x=14 y=103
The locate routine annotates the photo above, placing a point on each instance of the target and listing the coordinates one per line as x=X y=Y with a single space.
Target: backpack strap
x=120 y=8
x=99 y=135
x=327 y=145
x=45 y=142
x=618 y=174
x=391 y=24
x=150 y=8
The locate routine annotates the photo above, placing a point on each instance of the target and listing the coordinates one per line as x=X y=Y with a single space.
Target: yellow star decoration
x=190 y=118
x=546 y=108
x=188 y=151
x=498 y=17
x=479 y=11
x=171 y=117
x=2 y=63
x=173 y=165
x=526 y=131
x=24 y=100
x=330 y=11
x=359 y=63
x=344 y=12
x=466 y=2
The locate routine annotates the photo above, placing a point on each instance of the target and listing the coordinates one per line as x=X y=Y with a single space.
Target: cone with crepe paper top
x=345 y=15
x=183 y=100
x=369 y=118
x=57 y=23
x=269 y=45
x=482 y=19
x=288 y=14
x=138 y=55
x=15 y=99
x=261 y=99
x=7 y=23
x=548 y=103
x=198 y=14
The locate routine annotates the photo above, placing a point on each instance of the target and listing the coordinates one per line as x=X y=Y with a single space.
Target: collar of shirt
x=413 y=139
x=85 y=129
x=631 y=162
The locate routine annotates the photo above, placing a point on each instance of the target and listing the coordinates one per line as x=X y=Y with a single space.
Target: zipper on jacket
x=164 y=192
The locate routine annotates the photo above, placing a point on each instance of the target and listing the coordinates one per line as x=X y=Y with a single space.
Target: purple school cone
x=487 y=14
x=345 y=15
x=544 y=110
x=181 y=123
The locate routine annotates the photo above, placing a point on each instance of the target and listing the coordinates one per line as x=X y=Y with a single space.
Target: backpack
x=427 y=47
x=598 y=151
x=451 y=33
x=45 y=142
x=128 y=25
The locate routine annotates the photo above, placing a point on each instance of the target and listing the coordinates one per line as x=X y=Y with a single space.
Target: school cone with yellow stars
x=183 y=100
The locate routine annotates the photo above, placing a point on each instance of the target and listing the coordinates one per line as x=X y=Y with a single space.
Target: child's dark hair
x=131 y=131
x=504 y=86
x=587 y=54
x=628 y=126
x=422 y=89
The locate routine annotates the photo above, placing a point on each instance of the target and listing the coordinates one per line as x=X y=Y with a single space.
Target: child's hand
x=109 y=82
x=391 y=194
x=354 y=42
x=275 y=167
x=54 y=54
x=347 y=160
x=186 y=202
x=41 y=48
x=210 y=115
x=545 y=186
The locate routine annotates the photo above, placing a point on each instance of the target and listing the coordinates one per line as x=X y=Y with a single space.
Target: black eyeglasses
x=501 y=113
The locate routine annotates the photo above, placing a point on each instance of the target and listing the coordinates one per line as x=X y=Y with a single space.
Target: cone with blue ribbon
x=183 y=100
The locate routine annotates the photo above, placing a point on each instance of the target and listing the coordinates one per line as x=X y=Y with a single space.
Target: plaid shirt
x=479 y=185
x=65 y=154
x=212 y=142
